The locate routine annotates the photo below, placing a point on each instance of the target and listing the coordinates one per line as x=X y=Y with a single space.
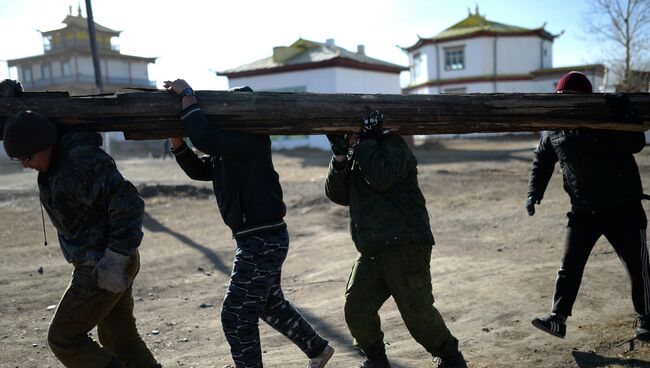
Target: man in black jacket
x=249 y=196
x=602 y=179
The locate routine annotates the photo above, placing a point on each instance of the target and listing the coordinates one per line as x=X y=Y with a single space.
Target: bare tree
x=623 y=28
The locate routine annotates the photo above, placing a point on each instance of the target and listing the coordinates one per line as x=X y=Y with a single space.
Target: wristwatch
x=187 y=92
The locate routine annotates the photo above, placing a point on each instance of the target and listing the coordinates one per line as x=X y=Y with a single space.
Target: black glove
x=530 y=204
x=371 y=125
x=10 y=88
x=241 y=89
x=339 y=144
x=624 y=110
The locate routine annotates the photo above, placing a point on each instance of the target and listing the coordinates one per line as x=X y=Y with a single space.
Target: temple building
x=477 y=55
x=66 y=63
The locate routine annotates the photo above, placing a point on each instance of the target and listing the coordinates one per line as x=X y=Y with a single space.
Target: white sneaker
x=322 y=358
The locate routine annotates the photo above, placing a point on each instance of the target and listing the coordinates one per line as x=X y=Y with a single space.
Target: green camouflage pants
x=403 y=273
x=84 y=306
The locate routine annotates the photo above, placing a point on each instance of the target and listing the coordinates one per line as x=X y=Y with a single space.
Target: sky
x=194 y=38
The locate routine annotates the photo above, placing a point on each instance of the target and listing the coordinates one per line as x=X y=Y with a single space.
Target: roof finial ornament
x=477 y=9
x=469 y=12
x=69 y=9
x=79 y=9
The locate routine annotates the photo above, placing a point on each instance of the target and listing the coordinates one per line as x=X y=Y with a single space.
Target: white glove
x=111 y=272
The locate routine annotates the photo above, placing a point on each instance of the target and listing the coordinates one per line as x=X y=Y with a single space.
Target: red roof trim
x=504 y=78
x=335 y=62
x=597 y=68
x=60 y=55
x=428 y=41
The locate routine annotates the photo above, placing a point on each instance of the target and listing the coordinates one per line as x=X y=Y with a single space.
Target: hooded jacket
x=89 y=202
x=379 y=184
x=240 y=166
x=598 y=167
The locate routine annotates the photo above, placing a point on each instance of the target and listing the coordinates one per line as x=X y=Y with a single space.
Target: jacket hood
x=76 y=139
x=70 y=141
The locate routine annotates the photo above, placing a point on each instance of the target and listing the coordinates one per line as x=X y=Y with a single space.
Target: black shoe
x=376 y=363
x=552 y=324
x=642 y=331
x=454 y=361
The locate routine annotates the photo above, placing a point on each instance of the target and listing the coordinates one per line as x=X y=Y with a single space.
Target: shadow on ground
x=155 y=226
x=594 y=360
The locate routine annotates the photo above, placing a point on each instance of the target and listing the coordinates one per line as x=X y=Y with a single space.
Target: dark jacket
x=89 y=202
x=598 y=167
x=240 y=167
x=379 y=184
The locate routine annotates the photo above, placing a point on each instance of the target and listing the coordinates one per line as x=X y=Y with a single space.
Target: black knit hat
x=27 y=133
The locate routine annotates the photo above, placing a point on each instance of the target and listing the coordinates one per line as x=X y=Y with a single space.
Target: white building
x=66 y=63
x=481 y=56
x=308 y=66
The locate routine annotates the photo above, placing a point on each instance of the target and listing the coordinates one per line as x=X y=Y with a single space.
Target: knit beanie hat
x=27 y=133
x=574 y=81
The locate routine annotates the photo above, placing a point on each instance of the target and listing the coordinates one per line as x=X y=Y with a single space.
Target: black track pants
x=625 y=229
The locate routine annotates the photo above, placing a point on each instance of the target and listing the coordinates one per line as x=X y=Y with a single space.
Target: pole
x=98 y=71
x=154 y=115
x=93 y=47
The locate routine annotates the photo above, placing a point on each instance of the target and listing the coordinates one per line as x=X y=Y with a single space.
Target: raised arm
x=196 y=168
x=208 y=138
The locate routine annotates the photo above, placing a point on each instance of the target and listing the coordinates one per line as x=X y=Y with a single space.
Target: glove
x=10 y=88
x=241 y=89
x=371 y=125
x=339 y=144
x=623 y=108
x=530 y=204
x=111 y=272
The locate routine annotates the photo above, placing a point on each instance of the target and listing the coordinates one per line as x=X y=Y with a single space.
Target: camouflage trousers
x=254 y=292
x=402 y=272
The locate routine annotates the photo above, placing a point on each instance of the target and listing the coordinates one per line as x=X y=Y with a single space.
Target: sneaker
x=553 y=324
x=322 y=358
x=455 y=361
x=642 y=331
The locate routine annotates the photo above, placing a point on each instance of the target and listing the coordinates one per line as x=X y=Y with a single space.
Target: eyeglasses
x=22 y=159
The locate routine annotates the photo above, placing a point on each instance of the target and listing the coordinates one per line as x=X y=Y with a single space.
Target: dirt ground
x=493 y=267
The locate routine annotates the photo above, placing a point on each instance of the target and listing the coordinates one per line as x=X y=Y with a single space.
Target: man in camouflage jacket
x=390 y=228
x=98 y=218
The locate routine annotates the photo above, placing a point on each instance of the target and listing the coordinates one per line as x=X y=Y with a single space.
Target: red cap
x=574 y=81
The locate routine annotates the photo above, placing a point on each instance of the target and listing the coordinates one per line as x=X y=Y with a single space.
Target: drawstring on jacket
x=43 y=218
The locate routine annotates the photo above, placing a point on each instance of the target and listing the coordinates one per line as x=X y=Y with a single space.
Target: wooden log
x=154 y=115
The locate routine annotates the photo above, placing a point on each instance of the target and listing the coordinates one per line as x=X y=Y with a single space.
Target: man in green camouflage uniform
x=98 y=217
x=390 y=228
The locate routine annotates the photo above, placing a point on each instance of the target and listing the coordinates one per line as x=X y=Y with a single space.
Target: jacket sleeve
x=542 y=168
x=103 y=187
x=382 y=162
x=219 y=142
x=336 y=184
x=196 y=168
x=629 y=142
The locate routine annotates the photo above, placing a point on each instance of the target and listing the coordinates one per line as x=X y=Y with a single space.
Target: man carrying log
x=98 y=217
x=390 y=228
x=249 y=196
x=602 y=180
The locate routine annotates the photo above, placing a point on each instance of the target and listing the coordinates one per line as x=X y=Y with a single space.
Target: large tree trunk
x=153 y=115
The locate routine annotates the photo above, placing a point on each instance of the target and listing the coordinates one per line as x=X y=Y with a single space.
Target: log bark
x=154 y=115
